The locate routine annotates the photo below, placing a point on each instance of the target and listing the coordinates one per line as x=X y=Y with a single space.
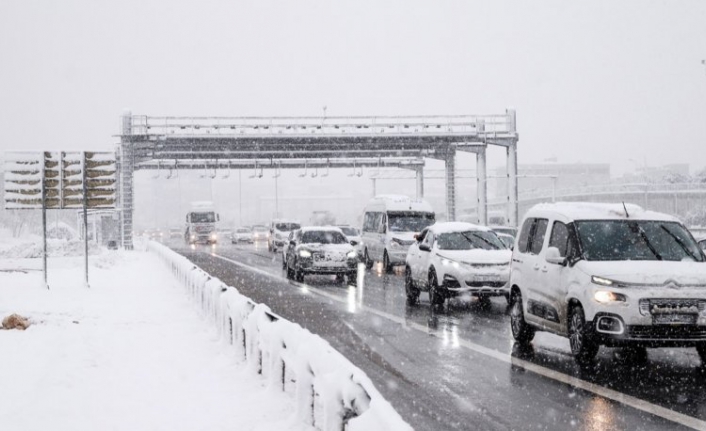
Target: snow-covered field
x=130 y=353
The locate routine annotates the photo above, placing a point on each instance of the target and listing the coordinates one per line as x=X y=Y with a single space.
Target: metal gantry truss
x=315 y=143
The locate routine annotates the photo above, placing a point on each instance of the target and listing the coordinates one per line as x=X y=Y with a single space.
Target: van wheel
x=368 y=260
x=411 y=291
x=583 y=347
x=436 y=297
x=521 y=331
x=386 y=262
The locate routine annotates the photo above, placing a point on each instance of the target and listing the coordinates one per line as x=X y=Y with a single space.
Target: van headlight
x=601 y=281
x=606 y=296
x=304 y=253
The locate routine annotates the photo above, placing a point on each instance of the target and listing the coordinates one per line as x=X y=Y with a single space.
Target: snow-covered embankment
x=330 y=392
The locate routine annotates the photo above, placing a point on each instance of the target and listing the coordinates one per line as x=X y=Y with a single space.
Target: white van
x=608 y=274
x=389 y=225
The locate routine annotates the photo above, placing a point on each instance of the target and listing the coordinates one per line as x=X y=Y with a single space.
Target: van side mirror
x=553 y=256
x=424 y=247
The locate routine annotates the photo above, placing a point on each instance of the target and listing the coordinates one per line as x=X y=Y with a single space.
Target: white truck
x=201 y=223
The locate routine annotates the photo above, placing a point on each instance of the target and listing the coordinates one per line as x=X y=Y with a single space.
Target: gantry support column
x=126 y=162
x=420 y=182
x=482 y=186
x=512 y=189
x=450 y=165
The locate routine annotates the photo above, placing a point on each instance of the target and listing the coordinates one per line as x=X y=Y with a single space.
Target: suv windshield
x=349 y=231
x=323 y=237
x=475 y=239
x=636 y=240
x=203 y=217
x=409 y=221
x=286 y=227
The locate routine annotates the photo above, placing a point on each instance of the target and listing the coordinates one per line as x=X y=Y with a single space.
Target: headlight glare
x=304 y=253
x=605 y=296
x=351 y=254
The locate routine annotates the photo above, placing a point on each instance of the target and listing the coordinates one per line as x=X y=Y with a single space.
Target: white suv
x=608 y=274
x=451 y=258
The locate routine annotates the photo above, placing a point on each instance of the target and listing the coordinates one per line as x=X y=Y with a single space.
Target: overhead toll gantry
x=315 y=143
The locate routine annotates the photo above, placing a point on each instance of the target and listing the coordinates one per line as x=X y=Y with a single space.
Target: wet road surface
x=457 y=367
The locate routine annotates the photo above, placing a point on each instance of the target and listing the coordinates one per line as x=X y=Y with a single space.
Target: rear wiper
x=680 y=242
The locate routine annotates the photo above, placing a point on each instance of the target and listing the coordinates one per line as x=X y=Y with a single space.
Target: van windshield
x=618 y=240
x=203 y=217
x=409 y=221
x=474 y=239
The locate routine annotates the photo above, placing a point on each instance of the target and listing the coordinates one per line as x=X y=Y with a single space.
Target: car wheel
x=352 y=277
x=299 y=275
x=411 y=291
x=583 y=347
x=387 y=267
x=340 y=278
x=436 y=297
x=701 y=349
x=521 y=331
x=368 y=260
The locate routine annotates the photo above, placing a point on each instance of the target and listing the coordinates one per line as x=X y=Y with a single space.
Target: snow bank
x=330 y=392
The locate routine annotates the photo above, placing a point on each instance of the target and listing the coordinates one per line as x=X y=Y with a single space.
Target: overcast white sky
x=591 y=81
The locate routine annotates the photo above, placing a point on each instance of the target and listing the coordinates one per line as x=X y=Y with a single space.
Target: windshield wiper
x=481 y=238
x=649 y=245
x=680 y=242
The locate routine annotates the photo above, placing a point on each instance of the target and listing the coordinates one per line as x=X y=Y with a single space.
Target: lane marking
x=611 y=394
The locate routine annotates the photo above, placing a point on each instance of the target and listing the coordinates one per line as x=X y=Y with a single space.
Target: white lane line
x=628 y=400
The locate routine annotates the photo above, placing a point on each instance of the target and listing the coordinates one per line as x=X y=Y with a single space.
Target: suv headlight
x=304 y=253
x=449 y=262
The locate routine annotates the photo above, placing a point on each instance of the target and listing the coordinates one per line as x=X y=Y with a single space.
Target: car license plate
x=674 y=319
x=485 y=278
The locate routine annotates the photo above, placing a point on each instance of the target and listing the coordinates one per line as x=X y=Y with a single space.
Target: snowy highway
x=457 y=368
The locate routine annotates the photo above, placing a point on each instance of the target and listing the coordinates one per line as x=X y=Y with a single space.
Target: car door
x=551 y=285
x=425 y=258
x=531 y=265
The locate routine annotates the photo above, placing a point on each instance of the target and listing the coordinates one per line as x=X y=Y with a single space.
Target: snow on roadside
x=128 y=353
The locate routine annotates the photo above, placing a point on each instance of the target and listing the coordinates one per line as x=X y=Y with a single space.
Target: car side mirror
x=354 y=243
x=424 y=247
x=292 y=242
x=553 y=256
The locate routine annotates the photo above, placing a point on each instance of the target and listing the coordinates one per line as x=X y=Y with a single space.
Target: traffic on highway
x=593 y=314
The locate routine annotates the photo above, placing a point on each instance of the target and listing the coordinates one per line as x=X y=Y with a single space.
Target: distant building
x=568 y=175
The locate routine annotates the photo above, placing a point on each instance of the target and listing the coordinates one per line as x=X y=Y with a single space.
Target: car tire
x=583 y=346
x=368 y=261
x=701 y=349
x=522 y=332
x=299 y=275
x=352 y=277
x=484 y=301
x=411 y=291
x=436 y=296
x=340 y=278
x=387 y=267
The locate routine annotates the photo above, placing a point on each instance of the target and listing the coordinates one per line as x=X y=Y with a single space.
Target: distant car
x=260 y=233
x=279 y=233
x=508 y=240
x=702 y=244
x=112 y=245
x=507 y=230
x=320 y=250
x=241 y=234
x=451 y=258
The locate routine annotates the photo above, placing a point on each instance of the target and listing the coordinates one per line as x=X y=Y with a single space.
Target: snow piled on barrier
x=330 y=392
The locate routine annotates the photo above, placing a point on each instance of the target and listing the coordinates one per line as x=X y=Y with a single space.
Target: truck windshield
x=409 y=221
x=208 y=217
x=287 y=227
x=470 y=240
x=323 y=237
x=619 y=240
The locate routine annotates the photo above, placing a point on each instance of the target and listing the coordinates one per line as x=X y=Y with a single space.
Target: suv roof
x=596 y=211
